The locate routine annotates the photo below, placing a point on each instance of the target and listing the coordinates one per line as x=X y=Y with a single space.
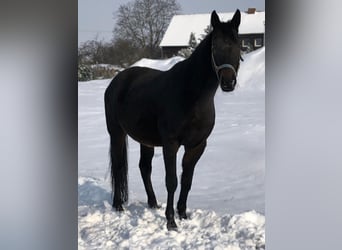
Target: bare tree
x=91 y=51
x=143 y=22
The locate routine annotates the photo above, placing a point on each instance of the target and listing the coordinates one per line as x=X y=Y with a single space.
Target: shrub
x=84 y=73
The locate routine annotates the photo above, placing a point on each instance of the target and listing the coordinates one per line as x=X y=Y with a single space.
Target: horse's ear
x=215 y=20
x=236 y=20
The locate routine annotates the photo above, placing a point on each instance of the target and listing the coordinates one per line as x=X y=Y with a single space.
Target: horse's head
x=225 y=50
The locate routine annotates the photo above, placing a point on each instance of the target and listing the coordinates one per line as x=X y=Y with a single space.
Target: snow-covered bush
x=84 y=73
x=186 y=52
x=104 y=71
x=97 y=71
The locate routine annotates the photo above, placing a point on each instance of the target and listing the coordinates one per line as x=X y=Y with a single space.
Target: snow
x=254 y=63
x=164 y=64
x=181 y=26
x=226 y=203
x=100 y=227
x=107 y=66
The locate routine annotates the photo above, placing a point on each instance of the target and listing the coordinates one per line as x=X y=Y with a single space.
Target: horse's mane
x=203 y=45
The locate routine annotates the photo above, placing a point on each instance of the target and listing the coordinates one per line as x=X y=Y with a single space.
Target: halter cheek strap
x=222 y=66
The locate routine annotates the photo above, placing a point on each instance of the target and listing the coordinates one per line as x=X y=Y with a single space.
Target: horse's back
x=129 y=83
x=132 y=77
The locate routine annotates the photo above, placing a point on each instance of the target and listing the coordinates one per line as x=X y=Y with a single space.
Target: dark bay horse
x=170 y=109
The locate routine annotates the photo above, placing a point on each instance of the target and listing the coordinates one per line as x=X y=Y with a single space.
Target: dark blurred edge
x=303 y=125
x=38 y=65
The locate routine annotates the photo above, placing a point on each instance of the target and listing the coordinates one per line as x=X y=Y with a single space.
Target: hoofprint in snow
x=226 y=203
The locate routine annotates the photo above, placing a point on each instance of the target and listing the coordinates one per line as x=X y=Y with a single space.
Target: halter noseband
x=222 y=66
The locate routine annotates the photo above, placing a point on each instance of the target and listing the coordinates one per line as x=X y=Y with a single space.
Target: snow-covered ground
x=226 y=203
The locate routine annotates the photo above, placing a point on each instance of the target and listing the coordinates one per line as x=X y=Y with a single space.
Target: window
x=245 y=43
x=257 y=42
x=246 y=46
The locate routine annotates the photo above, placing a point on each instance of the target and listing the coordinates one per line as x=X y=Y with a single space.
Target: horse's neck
x=200 y=65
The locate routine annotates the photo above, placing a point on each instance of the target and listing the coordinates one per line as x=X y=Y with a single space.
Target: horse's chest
x=198 y=127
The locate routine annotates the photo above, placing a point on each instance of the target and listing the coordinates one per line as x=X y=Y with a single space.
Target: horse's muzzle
x=227 y=85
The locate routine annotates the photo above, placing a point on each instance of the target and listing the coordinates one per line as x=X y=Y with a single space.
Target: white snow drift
x=139 y=227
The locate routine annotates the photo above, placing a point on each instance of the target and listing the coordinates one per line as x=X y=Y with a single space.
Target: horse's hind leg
x=145 y=165
x=190 y=158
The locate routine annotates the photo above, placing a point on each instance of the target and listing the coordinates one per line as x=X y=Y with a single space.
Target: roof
x=181 y=26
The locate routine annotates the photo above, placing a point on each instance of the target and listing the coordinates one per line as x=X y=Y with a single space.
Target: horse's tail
x=117 y=152
x=119 y=173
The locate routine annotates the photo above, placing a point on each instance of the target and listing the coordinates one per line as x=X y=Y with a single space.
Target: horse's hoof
x=183 y=216
x=154 y=206
x=119 y=208
x=172 y=226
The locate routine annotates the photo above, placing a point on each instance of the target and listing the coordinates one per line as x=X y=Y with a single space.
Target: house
x=177 y=35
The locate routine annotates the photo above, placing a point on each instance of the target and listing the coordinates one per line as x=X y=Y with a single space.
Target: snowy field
x=226 y=203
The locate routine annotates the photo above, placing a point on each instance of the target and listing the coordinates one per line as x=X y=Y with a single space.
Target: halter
x=222 y=66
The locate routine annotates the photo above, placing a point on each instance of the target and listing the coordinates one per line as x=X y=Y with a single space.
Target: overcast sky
x=97 y=17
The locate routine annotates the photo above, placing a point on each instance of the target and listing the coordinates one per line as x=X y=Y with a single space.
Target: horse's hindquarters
x=136 y=108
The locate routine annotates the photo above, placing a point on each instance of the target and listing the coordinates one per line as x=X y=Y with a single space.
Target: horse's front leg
x=170 y=155
x=190 y=158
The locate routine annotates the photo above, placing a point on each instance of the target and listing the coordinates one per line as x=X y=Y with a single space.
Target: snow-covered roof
x=181 y=26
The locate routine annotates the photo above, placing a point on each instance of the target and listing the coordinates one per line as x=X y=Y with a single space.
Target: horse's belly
x=150 y=141
x=143 y=130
